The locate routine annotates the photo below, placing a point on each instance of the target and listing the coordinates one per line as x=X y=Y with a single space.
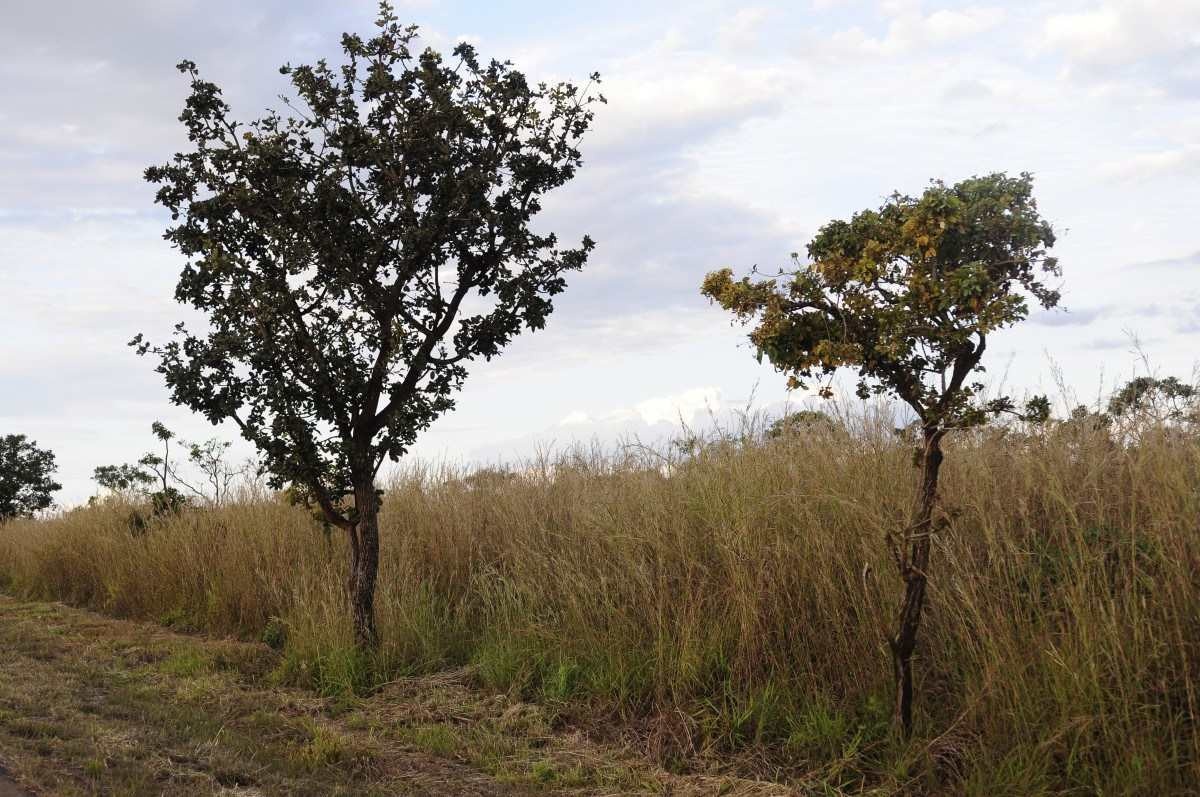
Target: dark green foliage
x=353 y=256
x=135 y=479
x=334 y=250
x=25 y=483
x=210 y=458
x=1037 y=410
x=121 y=478
x=168 y=501
x=1174 y=399
x=162 y=466
x=274 y=633
x=149 y=469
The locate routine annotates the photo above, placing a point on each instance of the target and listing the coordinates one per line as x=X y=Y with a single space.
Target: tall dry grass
x=733 y=603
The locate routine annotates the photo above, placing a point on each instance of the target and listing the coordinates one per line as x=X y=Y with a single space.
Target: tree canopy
x=121 y=478
x=907 y=295
x=26 y=485
x=1168 y=397
x=334 y=250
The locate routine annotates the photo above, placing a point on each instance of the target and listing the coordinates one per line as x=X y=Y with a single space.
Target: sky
x=733 y=131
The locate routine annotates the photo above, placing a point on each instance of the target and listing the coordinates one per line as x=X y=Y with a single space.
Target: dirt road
x=91 y=705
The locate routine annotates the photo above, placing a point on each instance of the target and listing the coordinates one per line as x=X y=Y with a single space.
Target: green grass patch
x=186 y=663
x=438 y=739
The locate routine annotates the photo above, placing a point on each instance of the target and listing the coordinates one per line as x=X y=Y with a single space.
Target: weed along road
x=92 y=705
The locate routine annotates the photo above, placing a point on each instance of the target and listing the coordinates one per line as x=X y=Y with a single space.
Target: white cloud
x=1151 y=47
x=1119 y=32
x=910 y=29
x=1147 y=165
x=686 y=407
x=683 y=406
x=945 y=24
x=1088 y=35
x=576 y=418
x=666 y=99
x=742 y=29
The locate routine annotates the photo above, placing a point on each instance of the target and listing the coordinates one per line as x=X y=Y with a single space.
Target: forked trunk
x=905 y=640
x=364 y=564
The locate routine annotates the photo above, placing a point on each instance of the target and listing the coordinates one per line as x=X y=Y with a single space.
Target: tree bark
x=914 y=575
x=364 y=564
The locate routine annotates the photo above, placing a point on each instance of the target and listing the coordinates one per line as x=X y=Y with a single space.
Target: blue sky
x=733 y=131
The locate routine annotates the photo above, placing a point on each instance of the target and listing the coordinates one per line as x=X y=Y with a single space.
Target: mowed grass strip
x=90 y=705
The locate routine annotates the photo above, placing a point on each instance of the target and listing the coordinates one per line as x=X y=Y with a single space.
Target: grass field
x=724 y=611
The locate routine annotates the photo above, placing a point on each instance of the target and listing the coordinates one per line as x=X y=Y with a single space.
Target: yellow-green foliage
x=736 y=600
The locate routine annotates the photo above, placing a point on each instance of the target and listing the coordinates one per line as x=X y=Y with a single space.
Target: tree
x=354 y=255
x=161 y=467
x=151 y=468
x=908 y=295
x=121 y=478
x=210 y=458
x=25 y=483
x=168 y=499
x=1165 y=399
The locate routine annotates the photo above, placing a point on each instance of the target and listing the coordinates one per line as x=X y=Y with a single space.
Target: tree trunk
x=914 y=575
x=364 y=564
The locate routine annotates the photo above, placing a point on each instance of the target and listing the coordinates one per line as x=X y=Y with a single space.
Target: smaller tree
x=1163 y=400
x=129 y=479
x=121 y=479
x=25 y=483
x=161 y=467
x=907 y=295
x=211 y=458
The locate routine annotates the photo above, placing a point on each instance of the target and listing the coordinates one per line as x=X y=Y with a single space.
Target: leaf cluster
x=1175 y=398
x=353 y=254
x=907 y=295
x=121 y=478
x=25 y=477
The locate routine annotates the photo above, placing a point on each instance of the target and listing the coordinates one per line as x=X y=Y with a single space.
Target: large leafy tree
x=353 y=255
x=25 y=477
x=907 y=295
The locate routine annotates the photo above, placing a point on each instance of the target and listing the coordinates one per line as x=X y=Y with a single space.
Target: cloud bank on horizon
x=733 y=131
